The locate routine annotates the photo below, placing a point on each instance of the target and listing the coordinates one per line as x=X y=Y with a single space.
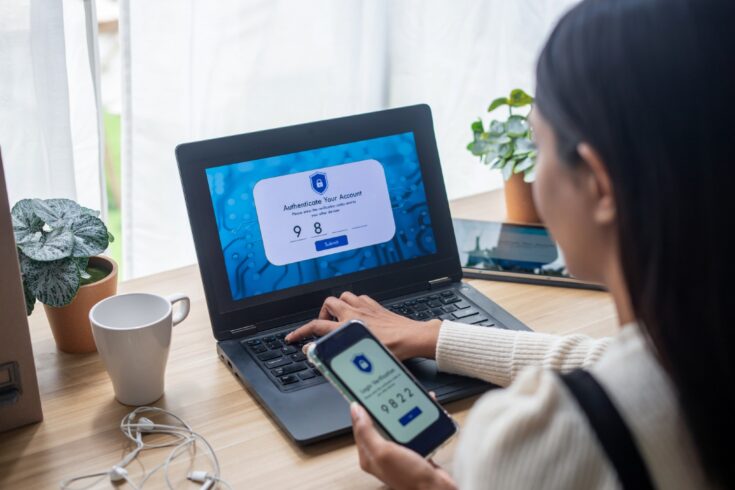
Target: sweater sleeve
x=498 y=355
x=530 y=435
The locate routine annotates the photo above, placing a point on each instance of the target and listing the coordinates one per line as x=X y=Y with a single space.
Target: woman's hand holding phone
x=406 y=338
x=392 y=463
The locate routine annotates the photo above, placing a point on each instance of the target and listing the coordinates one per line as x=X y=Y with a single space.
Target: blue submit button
x=410 y=415
x=334 y=242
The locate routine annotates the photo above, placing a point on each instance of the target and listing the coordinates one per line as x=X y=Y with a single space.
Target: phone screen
x=384 y=389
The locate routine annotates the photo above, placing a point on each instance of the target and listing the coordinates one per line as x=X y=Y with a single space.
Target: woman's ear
x=598 y=185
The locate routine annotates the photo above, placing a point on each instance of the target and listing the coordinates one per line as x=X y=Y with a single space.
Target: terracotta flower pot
x=70 y=324
x=519 y=201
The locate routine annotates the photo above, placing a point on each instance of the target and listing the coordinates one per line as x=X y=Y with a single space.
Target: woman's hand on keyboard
x=406 y=338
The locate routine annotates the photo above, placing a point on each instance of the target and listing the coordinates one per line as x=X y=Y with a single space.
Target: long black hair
x=650 y=84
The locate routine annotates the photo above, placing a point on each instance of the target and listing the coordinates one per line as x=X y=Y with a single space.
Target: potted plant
x=59 y=243
x=507 y=146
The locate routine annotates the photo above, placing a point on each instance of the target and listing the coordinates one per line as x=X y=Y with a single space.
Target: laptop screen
x=293 y=219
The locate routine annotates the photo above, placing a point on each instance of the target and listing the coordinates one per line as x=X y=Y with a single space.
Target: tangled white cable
x=134 y=426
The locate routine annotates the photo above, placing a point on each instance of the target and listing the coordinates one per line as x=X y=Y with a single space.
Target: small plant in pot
x=508 y=146
x=59 y=243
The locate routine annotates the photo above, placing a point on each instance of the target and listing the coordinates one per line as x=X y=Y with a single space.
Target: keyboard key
x=449 y=308
x=291 y=368
x=281 y=336
x=421 y=307
x=253 y=342
x=451 y=300
x=434 y=304
x=274 y=363
x=259 y=348
x=267 y=356
x=475 y=321
x=465 y=313
x=422 y=300
x=298 y=357
x=446 y=316
x=269 y=338
x=424 y=315
x=275 y=345
x=288 y=379
x=410 y=302
x=306 y=375
x=447 y=294
x=462 y=305
x=436 y=312
x=433 y=296
x=289 y=349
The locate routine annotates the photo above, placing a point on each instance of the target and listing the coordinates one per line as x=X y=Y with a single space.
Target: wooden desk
x=80 y=432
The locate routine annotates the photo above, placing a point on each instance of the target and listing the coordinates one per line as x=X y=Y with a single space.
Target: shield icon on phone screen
x=363 y=363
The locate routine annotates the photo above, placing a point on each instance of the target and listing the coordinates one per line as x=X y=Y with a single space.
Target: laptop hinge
x=435 y=283
x=242 y=330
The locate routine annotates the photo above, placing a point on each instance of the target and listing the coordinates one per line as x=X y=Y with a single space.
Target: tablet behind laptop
x=284 y=218
x=512 y=252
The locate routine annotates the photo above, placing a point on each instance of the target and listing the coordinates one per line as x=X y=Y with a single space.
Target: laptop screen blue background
x=249 y=272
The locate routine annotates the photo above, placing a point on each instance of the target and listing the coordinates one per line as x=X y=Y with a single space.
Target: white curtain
x=49 y=126
x=195 y=69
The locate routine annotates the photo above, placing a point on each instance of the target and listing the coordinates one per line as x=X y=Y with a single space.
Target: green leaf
x=517 y=126
x=53 y=245
x=524 y=165
x=90 y=236
x=505 y=151
x=503 y=139
x=500 y=101
x=525 y=144
x=26 y=225
x=530 y=175
x=508 y=170
x=519 y=98
x=496 y=128
x=53 y=283
x=110 y=237
x=496 y=163
x=477 y=127
x=57 y=212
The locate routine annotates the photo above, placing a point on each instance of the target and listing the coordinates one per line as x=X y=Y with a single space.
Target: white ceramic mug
x=133 y=335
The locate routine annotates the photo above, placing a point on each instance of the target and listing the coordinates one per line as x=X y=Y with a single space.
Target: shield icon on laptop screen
x=318 y=182
x=363 y=363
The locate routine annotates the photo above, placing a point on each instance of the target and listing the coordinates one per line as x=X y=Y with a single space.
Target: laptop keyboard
x=288 y=368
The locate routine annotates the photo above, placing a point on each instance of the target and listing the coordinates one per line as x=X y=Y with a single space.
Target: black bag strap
x=610 y=429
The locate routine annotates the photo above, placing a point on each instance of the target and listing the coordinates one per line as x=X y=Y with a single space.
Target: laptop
x=286 y=217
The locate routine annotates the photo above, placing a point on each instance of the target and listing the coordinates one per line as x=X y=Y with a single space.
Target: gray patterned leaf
x=26 y=225
x=90 y=236
x=53 y=245
x=53 y=283
x=56 y=212
x=30 y=298
x=90 y=212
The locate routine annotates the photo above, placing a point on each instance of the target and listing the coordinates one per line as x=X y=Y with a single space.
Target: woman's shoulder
x=530 y=434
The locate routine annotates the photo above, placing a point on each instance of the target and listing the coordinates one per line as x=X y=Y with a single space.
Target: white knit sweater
x=533 y=435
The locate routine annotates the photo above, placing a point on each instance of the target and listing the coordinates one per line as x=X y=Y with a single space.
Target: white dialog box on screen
x=324 y=211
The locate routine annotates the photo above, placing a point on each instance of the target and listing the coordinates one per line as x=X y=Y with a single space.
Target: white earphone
x=134 y=426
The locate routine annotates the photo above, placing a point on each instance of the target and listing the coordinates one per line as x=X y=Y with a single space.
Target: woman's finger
x=337 y=308
x=367 y=437
x=370 y=301
x=350 y=298
x=315 y=328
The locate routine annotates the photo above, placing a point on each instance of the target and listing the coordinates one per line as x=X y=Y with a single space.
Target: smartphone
x=365 y=371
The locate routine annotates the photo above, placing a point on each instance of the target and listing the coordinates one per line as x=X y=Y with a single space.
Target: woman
x=633 y=121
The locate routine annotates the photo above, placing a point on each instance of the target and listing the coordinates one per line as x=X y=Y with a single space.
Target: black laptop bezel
x=231 y=318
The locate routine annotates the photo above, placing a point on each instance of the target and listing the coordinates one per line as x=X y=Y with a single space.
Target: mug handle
x=180 y=315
